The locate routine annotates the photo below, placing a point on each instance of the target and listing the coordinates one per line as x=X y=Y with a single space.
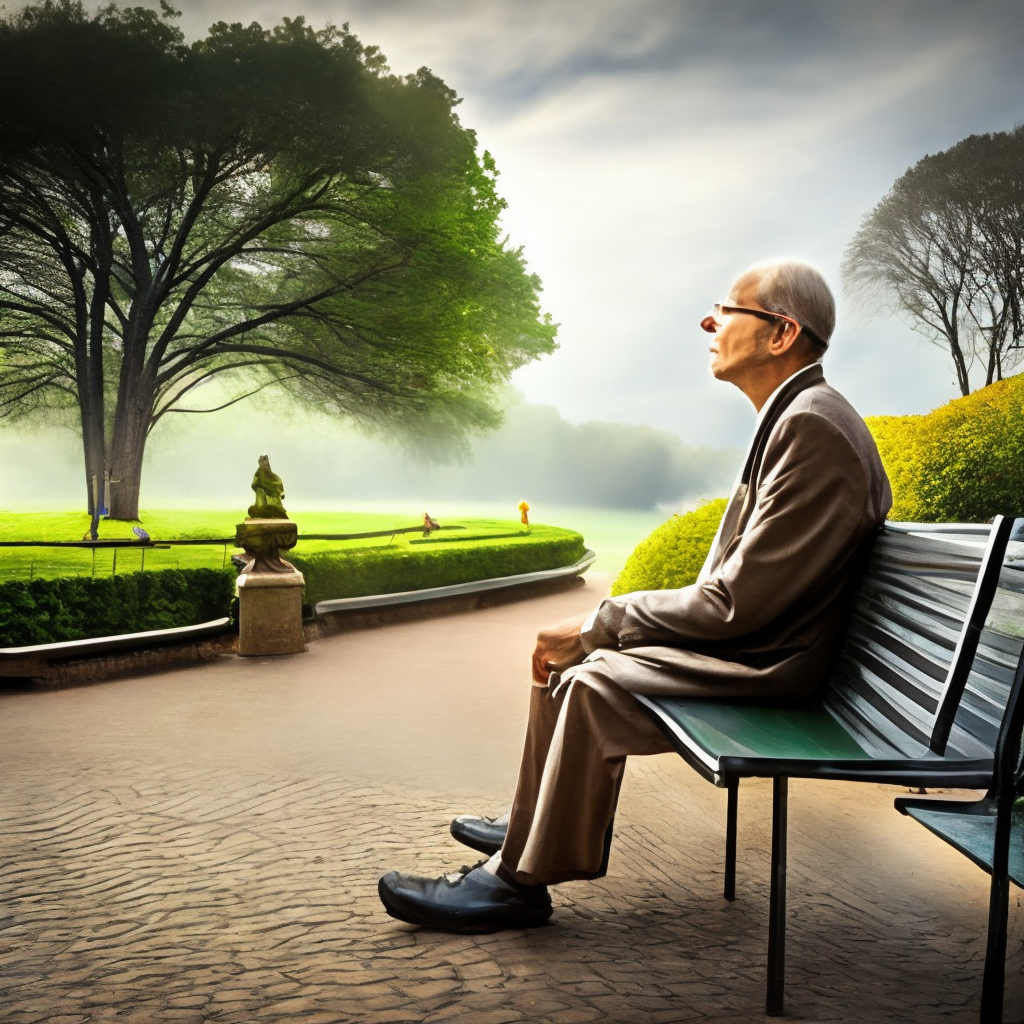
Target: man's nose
x=709 y=323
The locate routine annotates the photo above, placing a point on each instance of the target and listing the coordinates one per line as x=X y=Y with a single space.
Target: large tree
x=946 y=248
x=261 y=208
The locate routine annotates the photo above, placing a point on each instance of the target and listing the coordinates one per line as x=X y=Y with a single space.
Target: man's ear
x=784 y=337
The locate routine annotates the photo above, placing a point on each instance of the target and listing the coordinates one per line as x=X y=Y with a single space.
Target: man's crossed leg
x=559 y=828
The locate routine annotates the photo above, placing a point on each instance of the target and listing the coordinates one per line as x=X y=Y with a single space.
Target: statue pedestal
x=263 y=540
x=270 y=613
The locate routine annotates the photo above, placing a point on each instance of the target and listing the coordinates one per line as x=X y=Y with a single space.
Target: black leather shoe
x=475 y=901
x=483 y=834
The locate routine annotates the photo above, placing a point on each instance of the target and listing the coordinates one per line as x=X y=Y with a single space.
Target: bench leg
x=998 y=913
x=777 y=902
x=733 y=790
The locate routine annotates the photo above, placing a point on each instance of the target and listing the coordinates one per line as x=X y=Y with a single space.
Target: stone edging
x=77 y=662
x=346 y=604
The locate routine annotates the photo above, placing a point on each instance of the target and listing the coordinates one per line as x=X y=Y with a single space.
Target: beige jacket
x=767 y=614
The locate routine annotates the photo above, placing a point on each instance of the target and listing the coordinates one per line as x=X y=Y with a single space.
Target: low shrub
x=358 y=572
x=673 y=554
x=962 y=462
x=42 y=611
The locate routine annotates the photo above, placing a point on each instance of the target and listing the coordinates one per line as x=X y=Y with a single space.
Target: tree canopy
x=946 y=246
x=260 y=208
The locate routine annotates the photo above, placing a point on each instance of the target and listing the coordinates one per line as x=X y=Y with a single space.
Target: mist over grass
x=208 y=461
x=612 y=483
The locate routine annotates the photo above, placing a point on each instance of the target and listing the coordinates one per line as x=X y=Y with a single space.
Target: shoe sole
x=481 y=846
x=456 y=927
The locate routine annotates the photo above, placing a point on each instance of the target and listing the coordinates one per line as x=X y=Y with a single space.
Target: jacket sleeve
x=809 y=516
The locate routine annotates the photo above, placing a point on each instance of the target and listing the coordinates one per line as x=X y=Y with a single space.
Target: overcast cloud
x=651 y=149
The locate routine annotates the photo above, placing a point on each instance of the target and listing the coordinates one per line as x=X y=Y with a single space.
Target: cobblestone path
x=204 y=846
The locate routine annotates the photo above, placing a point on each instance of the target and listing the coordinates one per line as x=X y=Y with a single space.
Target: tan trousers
x=577 y=740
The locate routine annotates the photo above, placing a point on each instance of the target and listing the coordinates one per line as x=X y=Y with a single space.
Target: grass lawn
x=179 y=524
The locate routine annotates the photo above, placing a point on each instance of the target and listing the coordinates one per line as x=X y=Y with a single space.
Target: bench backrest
x=931 y=649
x=1008 y=777
x=983 y=709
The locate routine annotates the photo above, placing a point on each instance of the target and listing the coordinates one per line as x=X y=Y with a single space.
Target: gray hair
x=799 y=291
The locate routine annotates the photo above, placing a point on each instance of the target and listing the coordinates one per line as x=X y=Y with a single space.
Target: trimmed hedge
x=80 y=607
x=673 y=554
x=358 y=572
x=962 y=462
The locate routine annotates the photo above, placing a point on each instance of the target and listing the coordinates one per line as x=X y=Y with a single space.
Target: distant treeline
x=543 y=457
x=535 y=455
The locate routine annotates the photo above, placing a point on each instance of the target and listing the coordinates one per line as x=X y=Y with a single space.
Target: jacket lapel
x=741 y=504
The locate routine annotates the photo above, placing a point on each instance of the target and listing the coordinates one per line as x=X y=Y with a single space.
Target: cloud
x=651 y=149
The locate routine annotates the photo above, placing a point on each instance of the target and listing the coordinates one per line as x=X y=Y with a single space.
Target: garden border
x=72 y=662
x=344 y=604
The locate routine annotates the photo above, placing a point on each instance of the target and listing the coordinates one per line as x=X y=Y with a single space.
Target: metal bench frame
x=989 y=832
x=877 y=722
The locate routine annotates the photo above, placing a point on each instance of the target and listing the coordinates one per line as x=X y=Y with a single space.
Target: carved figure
x=429 y=524
x=269 y=493
x=263 y=542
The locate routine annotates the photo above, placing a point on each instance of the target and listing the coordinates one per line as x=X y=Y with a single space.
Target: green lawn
x=612 y=533
x=174 y=525
x=180 y=524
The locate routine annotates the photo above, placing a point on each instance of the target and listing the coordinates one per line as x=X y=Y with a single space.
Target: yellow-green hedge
x=674 y=553
x=440 y=562
x=963 y=462
x=42 y=611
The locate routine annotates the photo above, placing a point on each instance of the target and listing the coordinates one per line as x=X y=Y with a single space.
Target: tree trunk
x=127 y=449
x=133 y=414
x=95 y=465
x=132 y=418
x=91 y=409
x=89 y=366
x=959 y=361
x=126 y=477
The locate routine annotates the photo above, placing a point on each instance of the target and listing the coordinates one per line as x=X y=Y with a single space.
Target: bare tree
x=945 y=250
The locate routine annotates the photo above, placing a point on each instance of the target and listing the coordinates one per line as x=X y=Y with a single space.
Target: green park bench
x=990 y=832
x=935 y=643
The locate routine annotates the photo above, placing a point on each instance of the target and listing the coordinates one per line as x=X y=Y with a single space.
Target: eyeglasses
x=719 y=309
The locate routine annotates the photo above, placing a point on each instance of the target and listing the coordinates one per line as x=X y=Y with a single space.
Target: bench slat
x=714 y=730
x=974 y=835
x=884 y=699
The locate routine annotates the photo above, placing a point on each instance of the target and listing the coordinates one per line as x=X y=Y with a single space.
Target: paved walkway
x=203 y=846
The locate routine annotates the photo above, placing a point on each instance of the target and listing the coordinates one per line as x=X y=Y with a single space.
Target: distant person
x=765 y=618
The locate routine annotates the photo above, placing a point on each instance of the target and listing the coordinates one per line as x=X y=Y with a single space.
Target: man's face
x=739 y=344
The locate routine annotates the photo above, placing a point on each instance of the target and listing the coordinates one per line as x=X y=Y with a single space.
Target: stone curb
x=61 y=666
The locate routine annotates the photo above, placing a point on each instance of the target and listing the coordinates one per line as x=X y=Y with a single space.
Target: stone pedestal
x=270 y=613
x=263 y=540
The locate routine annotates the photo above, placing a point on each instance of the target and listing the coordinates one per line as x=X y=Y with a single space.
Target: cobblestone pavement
x=204 y=846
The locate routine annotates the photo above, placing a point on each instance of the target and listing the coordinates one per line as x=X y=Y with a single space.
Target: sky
x=650 y=150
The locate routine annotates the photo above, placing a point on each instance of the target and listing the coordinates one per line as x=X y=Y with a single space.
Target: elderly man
x=764 y=619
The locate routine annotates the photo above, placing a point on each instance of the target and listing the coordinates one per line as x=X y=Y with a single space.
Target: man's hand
x=558 y=647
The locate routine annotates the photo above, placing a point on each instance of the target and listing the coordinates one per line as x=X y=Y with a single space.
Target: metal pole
x=777 y=900
x=733 y=789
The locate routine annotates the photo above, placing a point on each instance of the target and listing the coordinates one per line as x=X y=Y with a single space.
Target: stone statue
x=269 y=493
x=267 y=530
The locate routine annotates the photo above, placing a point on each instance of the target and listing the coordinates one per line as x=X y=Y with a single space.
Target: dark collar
x=800 y=381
